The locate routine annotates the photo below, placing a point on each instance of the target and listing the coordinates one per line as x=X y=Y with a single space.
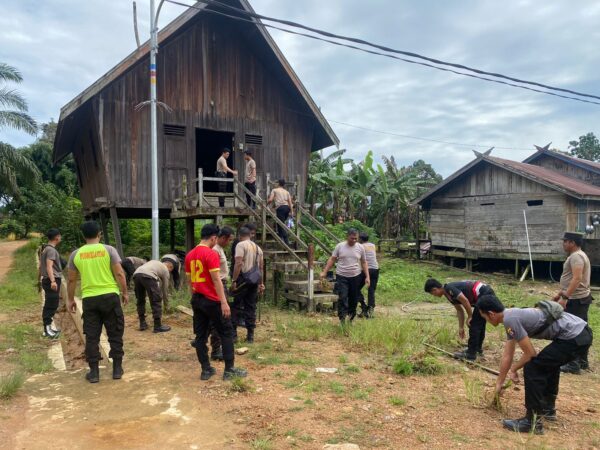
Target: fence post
x=311 y=279
x=298 y=202
x=264 y=223
x=268 y=186
x=200 y=187
x=235 y=192
x=184 y=192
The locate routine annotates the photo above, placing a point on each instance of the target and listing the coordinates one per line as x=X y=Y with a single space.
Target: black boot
x=572 y=367
x=250 y=336
x=159 y=328
x=217 y=354
x=118 y=368
x=143 y=324
x=526 y=424
x=464 y=354
x=93 y=376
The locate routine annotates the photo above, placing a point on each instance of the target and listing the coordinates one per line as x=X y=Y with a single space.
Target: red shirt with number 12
x=199 y=262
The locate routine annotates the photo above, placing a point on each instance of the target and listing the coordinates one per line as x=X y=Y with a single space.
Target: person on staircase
x=351 y=261
x=283 y=207
x=250 y=177
x=51 y=274
x=367 y=310
x=102 y=279
x=152 y=278
x=247 y=283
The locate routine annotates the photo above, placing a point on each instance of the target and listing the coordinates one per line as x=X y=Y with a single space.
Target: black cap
x=572 y=236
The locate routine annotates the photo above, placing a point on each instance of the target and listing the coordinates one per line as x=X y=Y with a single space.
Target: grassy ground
x=22 y=349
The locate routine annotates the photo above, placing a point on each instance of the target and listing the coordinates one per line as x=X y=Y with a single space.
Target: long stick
x=528 y=245
x=471 y=363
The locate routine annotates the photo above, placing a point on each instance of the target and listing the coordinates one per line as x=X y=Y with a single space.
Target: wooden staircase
x=292 y=266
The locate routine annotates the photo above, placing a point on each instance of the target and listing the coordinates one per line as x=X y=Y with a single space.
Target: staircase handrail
x=319 y=225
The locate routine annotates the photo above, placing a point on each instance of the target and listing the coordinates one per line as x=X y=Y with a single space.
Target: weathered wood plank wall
x=212 y=76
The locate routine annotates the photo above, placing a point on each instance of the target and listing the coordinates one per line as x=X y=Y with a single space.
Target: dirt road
x=6 y=255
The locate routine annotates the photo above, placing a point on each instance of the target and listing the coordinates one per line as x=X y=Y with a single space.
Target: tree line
x=35 y=194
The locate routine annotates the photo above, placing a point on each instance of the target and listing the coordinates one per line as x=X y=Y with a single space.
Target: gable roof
x=579 y=162
x=328 y=137
x=549 y=178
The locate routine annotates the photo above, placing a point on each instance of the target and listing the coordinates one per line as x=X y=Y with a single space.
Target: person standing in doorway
x=247 y=283
x=283 y=207
x=152 y=278
x=575 y=294
x=51 y=274
x=102 y=279
x=250 y=177
x=367 y=310
x=222 y=171
x=351 y=261
x=209 y=304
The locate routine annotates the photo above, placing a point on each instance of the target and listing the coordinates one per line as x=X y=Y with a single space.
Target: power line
x=391 y=56
x=392 y=50
x=374 y=52
x=457 y=144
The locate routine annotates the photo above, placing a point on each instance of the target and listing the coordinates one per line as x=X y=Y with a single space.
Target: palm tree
x=16 y=117
x=13 y=163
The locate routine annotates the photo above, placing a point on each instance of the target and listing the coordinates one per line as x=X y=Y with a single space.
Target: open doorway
x=209 y=146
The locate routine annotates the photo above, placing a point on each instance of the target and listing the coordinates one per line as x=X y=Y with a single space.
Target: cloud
x=62 y=46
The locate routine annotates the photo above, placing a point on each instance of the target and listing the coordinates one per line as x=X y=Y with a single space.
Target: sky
x=63 y=46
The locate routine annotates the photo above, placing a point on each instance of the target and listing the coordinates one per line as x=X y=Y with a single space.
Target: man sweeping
x=102 y=281
x=152 y=279
x=570 y=339
x=464 y=295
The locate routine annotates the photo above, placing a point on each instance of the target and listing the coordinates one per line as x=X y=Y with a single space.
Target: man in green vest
x=102 y=280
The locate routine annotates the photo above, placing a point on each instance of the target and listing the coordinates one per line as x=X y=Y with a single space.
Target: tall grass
x=10 y=384
x=19 y=287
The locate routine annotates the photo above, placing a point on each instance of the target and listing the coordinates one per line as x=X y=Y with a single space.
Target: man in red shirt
x=202 y=266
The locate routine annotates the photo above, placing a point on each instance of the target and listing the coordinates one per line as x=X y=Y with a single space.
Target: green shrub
x=11 y=226
x=403 y=367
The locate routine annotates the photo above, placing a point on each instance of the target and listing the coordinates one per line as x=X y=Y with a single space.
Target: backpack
x=253 y=276
x=552 y=310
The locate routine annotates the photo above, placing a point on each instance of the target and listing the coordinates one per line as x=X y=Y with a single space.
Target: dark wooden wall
x=482 y=213
x=565 y=168
x=211 y=76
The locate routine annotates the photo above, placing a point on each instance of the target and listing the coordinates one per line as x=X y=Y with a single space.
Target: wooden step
x=293 y=266
x=301 y=286
x=319 y=299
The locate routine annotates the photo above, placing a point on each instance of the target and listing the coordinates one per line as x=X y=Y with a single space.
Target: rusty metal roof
x=554 y=180
x=586 y=164
x=548 y=176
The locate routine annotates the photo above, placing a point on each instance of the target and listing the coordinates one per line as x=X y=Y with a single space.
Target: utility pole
x=153 y=130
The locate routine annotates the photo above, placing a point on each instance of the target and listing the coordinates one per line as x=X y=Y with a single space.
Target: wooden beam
x=172 y=234
x=103 y=224
x=189 y=234
x=116 y=230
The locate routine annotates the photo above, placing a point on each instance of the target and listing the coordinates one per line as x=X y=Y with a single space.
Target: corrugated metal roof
x=577 y=161
x=549 y=176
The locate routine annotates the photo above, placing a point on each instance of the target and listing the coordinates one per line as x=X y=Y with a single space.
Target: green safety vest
x=93 y=263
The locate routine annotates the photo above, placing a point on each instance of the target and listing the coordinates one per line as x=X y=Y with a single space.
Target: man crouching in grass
x=571 y=337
